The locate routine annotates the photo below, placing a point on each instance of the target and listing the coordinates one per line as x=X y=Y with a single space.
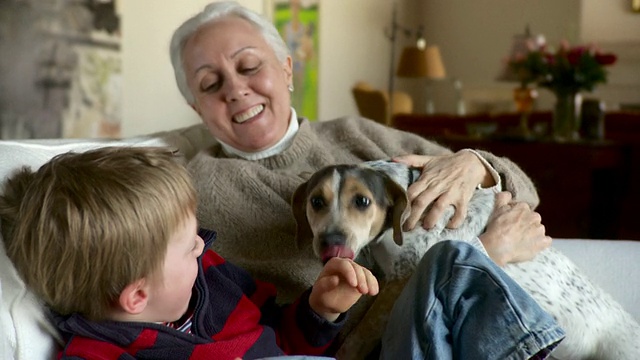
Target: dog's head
x=341 y=208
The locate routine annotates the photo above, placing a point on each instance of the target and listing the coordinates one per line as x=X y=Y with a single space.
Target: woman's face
x=240 y=88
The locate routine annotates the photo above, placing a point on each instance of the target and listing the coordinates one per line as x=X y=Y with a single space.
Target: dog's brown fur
x=353 y=205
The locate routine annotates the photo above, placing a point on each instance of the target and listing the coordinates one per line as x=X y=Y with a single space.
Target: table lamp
x=422 y=61
x=524 y=96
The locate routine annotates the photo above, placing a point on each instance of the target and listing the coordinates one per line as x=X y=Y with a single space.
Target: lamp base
x=430 y=108
x=524 y=98
x=460 y=108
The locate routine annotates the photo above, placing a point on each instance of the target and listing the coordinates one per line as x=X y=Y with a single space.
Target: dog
x=356 y=211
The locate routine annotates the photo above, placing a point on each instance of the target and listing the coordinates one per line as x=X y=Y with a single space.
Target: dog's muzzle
x=333 y=244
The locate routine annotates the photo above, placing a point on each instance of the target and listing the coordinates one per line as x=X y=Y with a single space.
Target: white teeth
x=240 y=118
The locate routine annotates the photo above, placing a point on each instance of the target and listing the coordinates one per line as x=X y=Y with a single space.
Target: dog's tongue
x=336 y=251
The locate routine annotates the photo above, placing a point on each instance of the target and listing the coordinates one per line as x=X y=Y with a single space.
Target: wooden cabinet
x=587 y=189
x=581 y=185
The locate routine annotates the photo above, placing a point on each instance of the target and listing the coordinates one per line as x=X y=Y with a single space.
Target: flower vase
x=524 y=98
x=566 y=119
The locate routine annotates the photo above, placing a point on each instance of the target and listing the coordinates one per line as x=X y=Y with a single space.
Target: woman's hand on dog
x=446 y=180
x=514 y=232
x=340 y=284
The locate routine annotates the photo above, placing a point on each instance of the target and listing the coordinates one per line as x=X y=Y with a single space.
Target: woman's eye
x=362 y=202
x=249 y=70
x=317 y=203
x=210 y=87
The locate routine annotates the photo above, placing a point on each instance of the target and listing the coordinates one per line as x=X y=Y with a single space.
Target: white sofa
x=25 y=334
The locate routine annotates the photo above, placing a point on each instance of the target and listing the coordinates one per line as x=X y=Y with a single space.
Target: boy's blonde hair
x=85 y=225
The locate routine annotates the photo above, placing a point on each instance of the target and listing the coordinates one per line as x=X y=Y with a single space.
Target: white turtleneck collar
x=279 y=147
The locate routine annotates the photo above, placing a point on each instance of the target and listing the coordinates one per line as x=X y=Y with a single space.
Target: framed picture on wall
x=297 y=21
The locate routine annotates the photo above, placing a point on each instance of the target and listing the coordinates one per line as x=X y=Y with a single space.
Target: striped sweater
x=234 y=316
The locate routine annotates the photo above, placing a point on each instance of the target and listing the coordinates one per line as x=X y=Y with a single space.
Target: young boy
x=109 y=240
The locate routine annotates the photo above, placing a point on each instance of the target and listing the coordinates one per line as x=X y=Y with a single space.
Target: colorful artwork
x=297 y=22
x=95 y=108
x=60 y=69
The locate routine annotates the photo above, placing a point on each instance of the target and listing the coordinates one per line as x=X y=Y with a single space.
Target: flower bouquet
x=566 y=72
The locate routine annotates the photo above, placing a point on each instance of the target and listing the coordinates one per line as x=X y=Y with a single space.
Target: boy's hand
x=339 y=286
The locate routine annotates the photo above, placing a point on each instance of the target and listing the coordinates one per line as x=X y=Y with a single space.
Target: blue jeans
x=460 y=305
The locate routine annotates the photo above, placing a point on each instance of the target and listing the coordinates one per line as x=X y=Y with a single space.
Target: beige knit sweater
x=247 y=202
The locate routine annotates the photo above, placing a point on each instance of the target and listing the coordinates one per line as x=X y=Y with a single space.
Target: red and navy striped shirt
x=234 y=316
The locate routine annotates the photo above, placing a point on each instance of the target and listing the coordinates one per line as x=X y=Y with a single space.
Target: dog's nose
x=333 y=238
x=333 y=244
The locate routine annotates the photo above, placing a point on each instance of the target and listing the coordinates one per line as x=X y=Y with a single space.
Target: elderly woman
x=234 y=70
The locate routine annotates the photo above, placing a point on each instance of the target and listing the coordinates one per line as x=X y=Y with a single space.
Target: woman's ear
x=135 y=297
x=287 y=66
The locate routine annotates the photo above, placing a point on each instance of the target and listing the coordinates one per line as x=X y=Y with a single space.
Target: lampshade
x=521 y=44
x=416 y=62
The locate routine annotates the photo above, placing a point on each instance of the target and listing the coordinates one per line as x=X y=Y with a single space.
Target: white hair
x=214 y=12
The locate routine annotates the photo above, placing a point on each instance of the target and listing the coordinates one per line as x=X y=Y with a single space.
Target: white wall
x=612 y=26
x=353 y=47
x=609 y=21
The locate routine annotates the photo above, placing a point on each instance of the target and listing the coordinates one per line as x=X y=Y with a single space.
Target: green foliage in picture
x=297 y=22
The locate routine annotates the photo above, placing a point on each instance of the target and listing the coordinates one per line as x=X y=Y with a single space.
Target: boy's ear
x=134 y=298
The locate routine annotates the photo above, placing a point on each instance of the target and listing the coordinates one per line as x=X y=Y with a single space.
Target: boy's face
x=170 y=295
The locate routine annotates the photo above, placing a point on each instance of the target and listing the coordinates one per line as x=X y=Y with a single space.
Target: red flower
x=575 y=54
x=605 y=59
x=550 y=58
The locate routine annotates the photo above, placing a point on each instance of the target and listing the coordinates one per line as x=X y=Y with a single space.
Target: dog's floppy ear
x=299 y=208
x=399 y=208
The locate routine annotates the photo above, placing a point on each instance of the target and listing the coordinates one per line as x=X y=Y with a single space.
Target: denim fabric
x=460 y=305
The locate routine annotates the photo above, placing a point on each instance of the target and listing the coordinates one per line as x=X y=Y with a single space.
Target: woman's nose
x=235 y=88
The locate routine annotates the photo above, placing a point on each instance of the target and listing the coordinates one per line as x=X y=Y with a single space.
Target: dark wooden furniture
x=587 y=188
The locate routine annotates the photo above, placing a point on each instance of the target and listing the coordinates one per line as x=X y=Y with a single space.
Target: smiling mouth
x=244 y=116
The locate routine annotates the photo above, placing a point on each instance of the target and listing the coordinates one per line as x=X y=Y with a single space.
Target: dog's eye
x=362 y=202
x=317 y=203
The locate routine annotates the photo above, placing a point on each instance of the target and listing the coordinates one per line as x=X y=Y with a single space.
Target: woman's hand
x=445 y=180
x=514 y=232
x=340 y=284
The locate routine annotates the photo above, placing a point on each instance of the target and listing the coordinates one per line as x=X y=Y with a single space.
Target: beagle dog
x=347 y=209
x=356 y=211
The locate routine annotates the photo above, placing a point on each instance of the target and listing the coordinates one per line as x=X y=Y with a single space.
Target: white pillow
x=34 y=153
x=25 y=332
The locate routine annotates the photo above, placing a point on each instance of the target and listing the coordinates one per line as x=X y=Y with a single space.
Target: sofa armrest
x=614 y=265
